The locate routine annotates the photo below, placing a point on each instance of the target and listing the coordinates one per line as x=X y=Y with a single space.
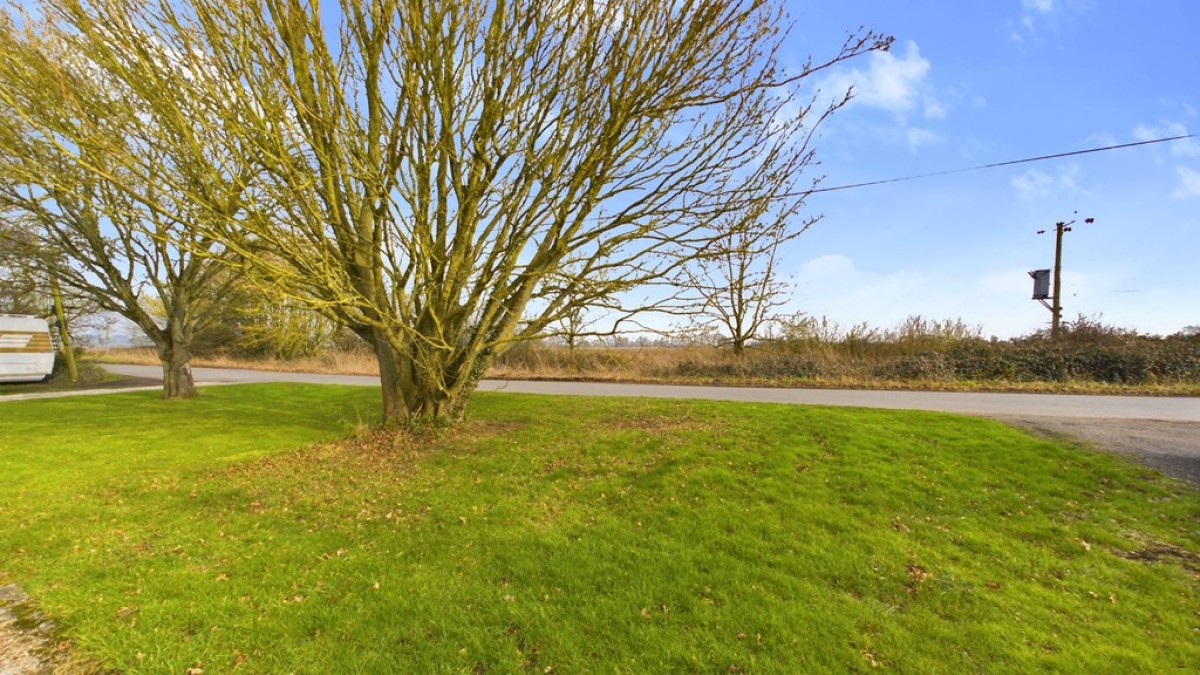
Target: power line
x=999 y=164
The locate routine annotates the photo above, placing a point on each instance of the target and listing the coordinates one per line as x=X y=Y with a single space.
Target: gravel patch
x=26 y=638
x=1172 y=447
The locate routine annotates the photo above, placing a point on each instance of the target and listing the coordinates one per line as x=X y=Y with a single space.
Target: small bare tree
x=430 y=169
x=598 y=316
x=735 y=285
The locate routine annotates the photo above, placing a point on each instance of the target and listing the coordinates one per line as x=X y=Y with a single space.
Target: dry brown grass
x=822 y=366
x=332 y=363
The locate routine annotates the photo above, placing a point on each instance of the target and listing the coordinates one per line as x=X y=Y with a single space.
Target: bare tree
x=85 y=167
x=431 y=169
x=734 y=286
x=595 y=315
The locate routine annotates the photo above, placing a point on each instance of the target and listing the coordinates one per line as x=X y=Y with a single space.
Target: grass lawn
x=586 y=535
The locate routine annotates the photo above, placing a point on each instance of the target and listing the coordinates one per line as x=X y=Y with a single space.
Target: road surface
x=968 y=403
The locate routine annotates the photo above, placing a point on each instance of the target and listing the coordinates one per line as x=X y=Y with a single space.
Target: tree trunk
x=739 y=345
x=175 y=353
x=177 y=370
x=395 y=403
x=414 y=394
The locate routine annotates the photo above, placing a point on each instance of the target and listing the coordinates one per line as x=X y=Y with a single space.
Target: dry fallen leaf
x=124 y=612
x=918 y=574
x=1086 y=545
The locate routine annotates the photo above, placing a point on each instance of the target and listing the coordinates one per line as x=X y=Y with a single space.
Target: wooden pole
x=1056 y=309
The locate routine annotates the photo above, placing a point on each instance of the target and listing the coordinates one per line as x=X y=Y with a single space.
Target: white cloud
x=1038 y=14
x=851 y=295
x=918 y=137
x=1010 y=281
x=831 y=265
x=934 y=110
x=998 y=300
x=1035 y=184
x=996 y=297
x=895 y=84
x=1187 y=147
x=1189 y=183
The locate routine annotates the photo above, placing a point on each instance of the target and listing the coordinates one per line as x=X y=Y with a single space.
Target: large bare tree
x=116 y=215
x=432 y=168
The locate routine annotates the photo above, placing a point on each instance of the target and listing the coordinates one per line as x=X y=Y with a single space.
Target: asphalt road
x=983 y=404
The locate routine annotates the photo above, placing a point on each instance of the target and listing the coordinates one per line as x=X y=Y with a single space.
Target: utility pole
x=1056 y=309
x=1060 y=228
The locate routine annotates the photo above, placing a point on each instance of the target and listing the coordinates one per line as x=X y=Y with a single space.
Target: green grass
x=586 y=535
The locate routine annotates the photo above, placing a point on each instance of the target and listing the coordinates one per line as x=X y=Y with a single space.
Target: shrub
x=1175 y=359
x=1104 y=364
x=918 y=349
x=89 y=373
x=980 y=361
x=918 y=334
x=919 y=366
x=752 y=364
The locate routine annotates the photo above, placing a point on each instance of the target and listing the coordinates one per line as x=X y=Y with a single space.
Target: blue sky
x=981 y=82
x=970 y=83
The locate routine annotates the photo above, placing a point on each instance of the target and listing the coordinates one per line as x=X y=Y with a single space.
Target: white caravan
x=26 y=351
